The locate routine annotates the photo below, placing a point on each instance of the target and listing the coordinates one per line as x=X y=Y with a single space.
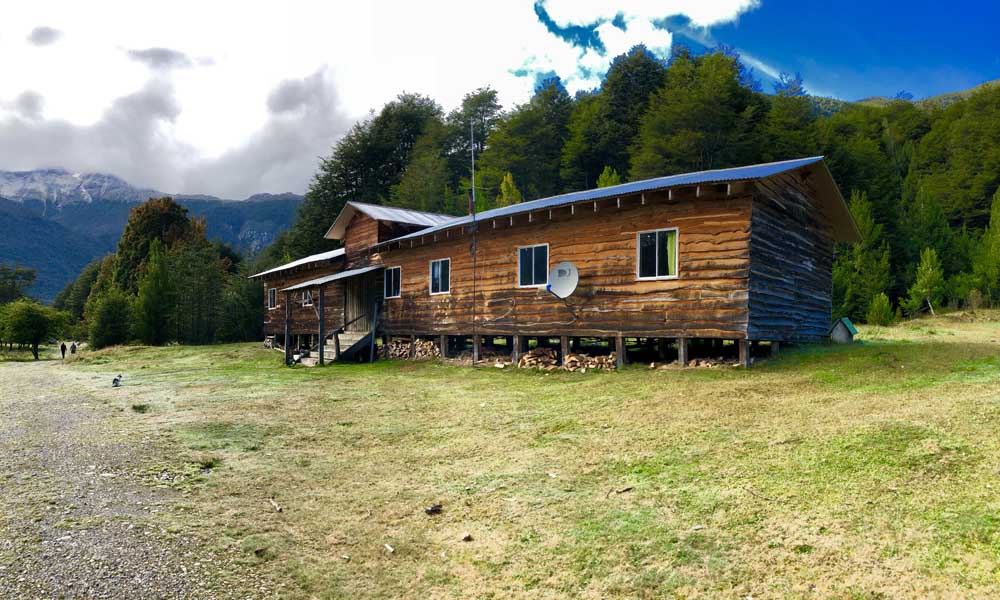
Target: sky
x=235 y=98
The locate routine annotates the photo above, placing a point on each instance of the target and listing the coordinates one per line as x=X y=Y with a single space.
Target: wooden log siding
x=361 y=233
x=791 y=262
x=707 y=299
x=305 y=319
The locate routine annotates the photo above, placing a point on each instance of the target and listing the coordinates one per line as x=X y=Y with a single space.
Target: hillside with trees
x=919 y=175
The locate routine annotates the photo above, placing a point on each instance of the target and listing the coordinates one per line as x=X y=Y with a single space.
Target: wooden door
x=360 y=293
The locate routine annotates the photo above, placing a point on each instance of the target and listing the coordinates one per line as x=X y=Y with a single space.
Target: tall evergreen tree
x=155 y=299
x=986 y=262
x=701 y=118
x=609 y=177
x=862 y=270
x=528 y=143
x=156 y=219
x=509 y=194
x=603 y=129
x=928 y=286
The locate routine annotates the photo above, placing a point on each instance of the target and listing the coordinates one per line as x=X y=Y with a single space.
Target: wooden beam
x=477 y=346
x=619 y=351
x=682 y=351
x=413 y=346
x=443 y=345
x=322 y=325
x=643 y=195
x=744 y=353
x=288 y=328
x=563 y=349
x=618 y=202
x=515 y=354
x=670 y=194
x=775 y=349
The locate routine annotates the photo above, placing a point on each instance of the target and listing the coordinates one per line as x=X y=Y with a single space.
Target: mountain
x=56 y=222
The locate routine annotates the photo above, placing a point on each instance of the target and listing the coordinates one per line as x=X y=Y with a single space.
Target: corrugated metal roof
x=303 y=261
x=646 y=185
x=384 y=213
x=329 y=278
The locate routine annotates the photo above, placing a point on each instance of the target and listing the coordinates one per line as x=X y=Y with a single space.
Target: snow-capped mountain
x=56 y=221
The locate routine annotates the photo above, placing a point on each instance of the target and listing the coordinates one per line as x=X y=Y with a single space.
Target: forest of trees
x=165 y=283
x=922 y=180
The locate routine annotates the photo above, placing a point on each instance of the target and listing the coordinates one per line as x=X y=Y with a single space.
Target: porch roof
x=334 y=277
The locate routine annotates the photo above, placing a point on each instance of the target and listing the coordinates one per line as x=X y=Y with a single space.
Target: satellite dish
x=563 y=279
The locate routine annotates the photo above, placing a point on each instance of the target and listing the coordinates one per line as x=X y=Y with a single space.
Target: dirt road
x=77 y=519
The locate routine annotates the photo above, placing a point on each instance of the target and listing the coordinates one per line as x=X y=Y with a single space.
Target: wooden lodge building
x=676 y=263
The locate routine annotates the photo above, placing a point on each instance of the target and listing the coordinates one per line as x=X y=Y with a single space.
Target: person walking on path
x=72 y=348
x=63 y=349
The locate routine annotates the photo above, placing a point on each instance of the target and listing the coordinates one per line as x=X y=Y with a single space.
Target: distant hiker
x=72 y=348
x=62 y=348
x=117 y=381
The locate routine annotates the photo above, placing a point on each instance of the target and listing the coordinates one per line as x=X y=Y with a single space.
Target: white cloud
x=268 y=87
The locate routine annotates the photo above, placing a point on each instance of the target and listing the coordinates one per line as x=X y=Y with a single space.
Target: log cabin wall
x=304 y=319
x=708 y=298
x=791 y=262
x=362 y=231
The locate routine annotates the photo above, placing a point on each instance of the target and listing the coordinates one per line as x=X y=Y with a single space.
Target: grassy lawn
x=856 y=472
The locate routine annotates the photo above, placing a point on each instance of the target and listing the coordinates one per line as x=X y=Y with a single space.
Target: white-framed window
x=307 y=298
x=440 y=276
x=657 y=254
x=393 y=276
x=533 y=265
x=272 y=298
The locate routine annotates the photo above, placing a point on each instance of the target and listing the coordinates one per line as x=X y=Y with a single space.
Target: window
x=533 y=266
x=441 y=276
x=272 y=298
x=307 y=298
x=392 y=275
x=658 y=254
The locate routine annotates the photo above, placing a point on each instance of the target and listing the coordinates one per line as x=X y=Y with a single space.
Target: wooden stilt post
x=413 y=346
x=288 y=328
x=477 y=347
x=619 y=351
x=775 y=349
x=563 y=348
x=322 y=326
x=443 y=345
x=744 y=353
x=515 y=354
x=682 y=352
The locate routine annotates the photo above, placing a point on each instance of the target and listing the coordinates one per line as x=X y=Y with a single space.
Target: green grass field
x=855 y=472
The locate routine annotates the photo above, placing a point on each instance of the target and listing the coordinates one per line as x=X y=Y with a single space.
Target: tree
x=364 y=166
x=27 y=322
x=197 y=276
x=862 y=270
x=426 y=183
x=155 y=299
x=701 y=118
x=790 y=85
x=986 y=262
x=156 y=219
x=608 y=178
x=528 y=143
x=14 y=281
x=109 y=318
x=604 y=126
x=241 y=318
x=880 y=311
x=509 y=194
x=929 y=284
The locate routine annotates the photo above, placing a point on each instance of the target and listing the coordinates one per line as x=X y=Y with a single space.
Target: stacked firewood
x=539 y=358
x=400 y=350
x=577 y=362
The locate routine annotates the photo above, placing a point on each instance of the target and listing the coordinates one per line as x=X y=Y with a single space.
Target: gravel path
x=76 y=519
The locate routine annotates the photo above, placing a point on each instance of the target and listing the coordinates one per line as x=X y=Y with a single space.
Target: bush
x=880 y=312
x=109 y=320
x=975 y=300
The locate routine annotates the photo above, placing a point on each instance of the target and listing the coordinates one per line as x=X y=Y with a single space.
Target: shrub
x=880 y=312
x=975 y=300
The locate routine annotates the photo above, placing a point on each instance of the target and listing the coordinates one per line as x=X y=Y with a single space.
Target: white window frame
x=677 y=255
x=430 y=276
x=548 y=261
x=307 y=294
x=272 y=305
x=400 y=269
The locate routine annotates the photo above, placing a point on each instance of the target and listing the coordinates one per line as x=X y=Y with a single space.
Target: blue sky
x=854 y=49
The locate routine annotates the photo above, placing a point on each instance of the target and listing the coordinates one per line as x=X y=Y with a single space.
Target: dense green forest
x=918 y=176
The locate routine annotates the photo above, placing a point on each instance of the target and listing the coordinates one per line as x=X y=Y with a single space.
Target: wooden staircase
x=350 y=343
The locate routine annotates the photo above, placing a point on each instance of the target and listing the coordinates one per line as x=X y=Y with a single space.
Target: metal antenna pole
x=472 y=147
